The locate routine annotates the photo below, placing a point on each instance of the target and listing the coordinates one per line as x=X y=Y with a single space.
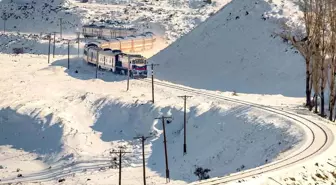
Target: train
x=106 y=31
x=128 y=44
x=116 y=61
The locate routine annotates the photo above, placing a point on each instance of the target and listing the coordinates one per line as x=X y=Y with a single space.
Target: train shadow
x=223 y=141
x=79 y=69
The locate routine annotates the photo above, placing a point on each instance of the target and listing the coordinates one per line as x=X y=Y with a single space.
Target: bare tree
x=304 y=43
x=320 y=46
x=331 y=53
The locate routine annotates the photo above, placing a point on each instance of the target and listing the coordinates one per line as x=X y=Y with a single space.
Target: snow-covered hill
x=237 y=50
x=169 y=19
x=63 y=123
x=38 y=16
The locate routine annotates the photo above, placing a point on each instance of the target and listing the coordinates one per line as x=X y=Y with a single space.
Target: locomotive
x=116 y=61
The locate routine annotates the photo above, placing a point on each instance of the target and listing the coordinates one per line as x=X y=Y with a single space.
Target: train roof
x=106 y=27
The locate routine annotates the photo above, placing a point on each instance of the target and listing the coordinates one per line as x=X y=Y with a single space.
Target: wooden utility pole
x=152 y=67
x=4 y=19
x=128 y=72
x=165 y=118
x=49 y=38
x=54 y=44
x=97 y=63
x=120 y=156
x=78 y=39
x=61 y=22
x=143 y=138
x=68 y=54
x=185 y=123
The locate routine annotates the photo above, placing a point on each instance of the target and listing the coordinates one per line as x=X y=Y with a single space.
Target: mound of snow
x=235 y=50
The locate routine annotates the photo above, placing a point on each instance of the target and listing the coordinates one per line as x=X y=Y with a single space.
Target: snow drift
x=235 y=50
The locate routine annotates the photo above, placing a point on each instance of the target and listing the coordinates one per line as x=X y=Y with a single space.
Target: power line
x=164 y=118
x=185 y=123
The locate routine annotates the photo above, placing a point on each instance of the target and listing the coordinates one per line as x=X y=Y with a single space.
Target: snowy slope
x=236 y=50
x=39 y=16
x=69 y=122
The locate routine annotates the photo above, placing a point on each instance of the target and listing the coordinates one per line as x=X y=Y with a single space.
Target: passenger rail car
x=128 y=44
x=117 y=62
x=106 y=31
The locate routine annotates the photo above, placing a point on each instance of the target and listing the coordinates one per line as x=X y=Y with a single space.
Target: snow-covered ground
x=62 y=122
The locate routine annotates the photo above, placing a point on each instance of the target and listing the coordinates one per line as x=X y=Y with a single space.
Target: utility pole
x=54 y=44
x=78 y=38
x=152 y=67
x=164 y=118
x=97 y=64
x=185 y=123
x=4 y=19
x=61 y=22
x=68 y=54
x=143 y=138
x=49 y=38
x=128 y=72
x=120 y=156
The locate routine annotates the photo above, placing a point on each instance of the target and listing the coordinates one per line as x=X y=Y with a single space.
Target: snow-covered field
x=60 y=122
x=63 y=123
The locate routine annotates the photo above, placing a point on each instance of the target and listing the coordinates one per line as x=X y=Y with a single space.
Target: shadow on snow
x=223 y=141
x=30 y=134
x=81 y=70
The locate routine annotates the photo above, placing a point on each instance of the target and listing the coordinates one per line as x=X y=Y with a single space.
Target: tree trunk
x=322 y=102
x=315 y=96
x=331 y=112
x=308 y=92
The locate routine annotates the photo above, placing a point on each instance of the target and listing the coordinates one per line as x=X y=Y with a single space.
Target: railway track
x=319 y=137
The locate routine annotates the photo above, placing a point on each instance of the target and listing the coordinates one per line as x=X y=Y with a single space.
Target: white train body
x=117 y=62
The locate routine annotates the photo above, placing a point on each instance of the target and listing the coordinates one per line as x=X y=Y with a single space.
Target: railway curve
x=319 y=137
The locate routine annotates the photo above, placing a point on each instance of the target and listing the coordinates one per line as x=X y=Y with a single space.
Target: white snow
x=69 y=120
x=235 y=51
x=63 y=123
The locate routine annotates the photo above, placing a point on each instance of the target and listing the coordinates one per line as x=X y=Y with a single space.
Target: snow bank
x=235 y=50
x=223 y=140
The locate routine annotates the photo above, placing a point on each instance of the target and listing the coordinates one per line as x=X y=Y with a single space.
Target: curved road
x=318 y=138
